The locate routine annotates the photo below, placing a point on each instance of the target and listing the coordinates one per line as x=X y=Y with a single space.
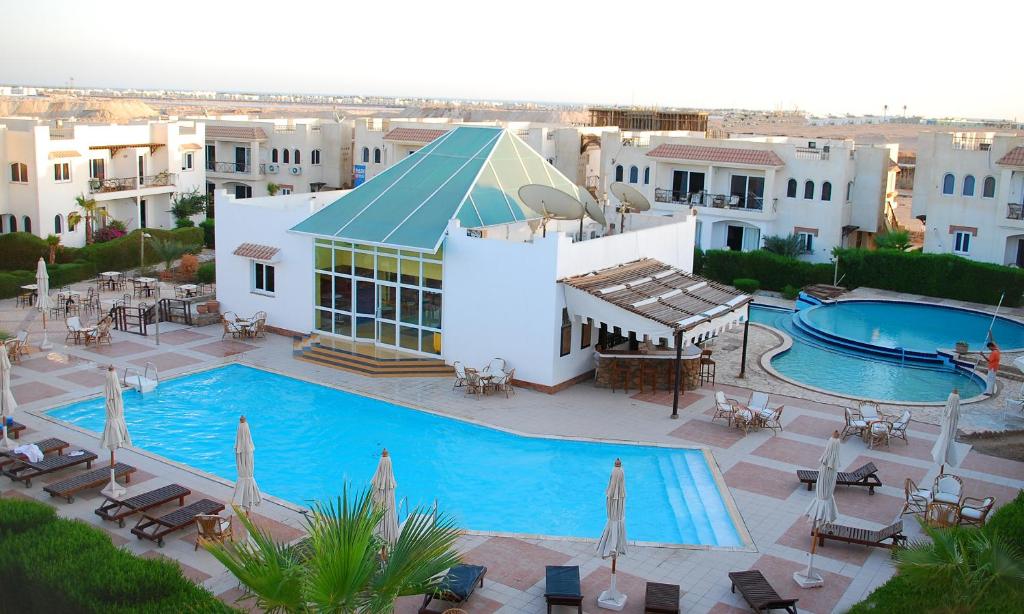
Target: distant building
x=132 y=170
x=969 y=192
x=633 y=118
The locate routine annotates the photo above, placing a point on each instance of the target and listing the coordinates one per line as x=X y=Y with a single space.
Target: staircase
x=365 y=359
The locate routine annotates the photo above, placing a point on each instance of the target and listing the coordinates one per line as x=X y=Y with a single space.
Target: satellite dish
x=594 y=210
x=551 y=203
x=631 y=199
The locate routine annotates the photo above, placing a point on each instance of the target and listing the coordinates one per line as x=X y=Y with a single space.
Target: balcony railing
x=971 y=142
x=240 y=168
x=121 y=184
x=1014 y=211
x=750 y=202
x=636 y=141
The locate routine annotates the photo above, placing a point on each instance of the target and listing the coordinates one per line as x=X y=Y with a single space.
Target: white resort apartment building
x=244 y=155
x=969 y=193
x=132 y=170
x=829 y=192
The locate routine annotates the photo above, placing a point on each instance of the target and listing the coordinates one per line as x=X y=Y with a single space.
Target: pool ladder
x=142 y=382
x=404 y=504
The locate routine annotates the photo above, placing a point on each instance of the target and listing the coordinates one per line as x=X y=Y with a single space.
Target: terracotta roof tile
x=727 y=155
x=236 y=133
x=1014 y=157
x=417 y=135
x=256 y=251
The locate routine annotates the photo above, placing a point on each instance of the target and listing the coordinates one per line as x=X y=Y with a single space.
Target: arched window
x=376 y=155
x=58 y=224
x=988 y=188
x=808 y=190
x=298 y=157
x=26 y=223
x=366 y=154
x=634 y=174
x=314 y=157
x=647 y=175
x=969 y=185
x=618 y=172
x=19 y=172
x=13 y=223
x=948 y=183
x=284 y=156
x=791 y=188
x=826 y=191
x=273 y=155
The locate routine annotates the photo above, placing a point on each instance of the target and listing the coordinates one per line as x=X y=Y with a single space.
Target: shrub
x=21 y=250
x=184 y=223
x=206 y=273
x=118 y=224
x=746 y=285
x=790 y=292
x=698 y=261
x=894 y=239
x=16 y=517
x=107 y=233
x=789 y=245
x=188 y=266
x=208 y=232
x=60 y=275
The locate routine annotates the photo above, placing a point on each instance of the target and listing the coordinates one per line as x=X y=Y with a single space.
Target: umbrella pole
x=809 y=578
x=45 y=345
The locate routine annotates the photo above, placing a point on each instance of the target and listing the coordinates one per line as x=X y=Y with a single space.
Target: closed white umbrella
x=822 y=509
x=613 y=538
x=384 y=486
x=7 y=402
x=247 y=494
x=115 y=431
x=43 y=301
x=946 y=451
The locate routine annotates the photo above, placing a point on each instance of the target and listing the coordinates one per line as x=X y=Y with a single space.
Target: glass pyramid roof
x=470 y=173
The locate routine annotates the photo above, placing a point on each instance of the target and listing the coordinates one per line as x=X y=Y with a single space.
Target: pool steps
x=310 y=349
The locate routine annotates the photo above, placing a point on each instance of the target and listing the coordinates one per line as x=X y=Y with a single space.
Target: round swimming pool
x=911 y=326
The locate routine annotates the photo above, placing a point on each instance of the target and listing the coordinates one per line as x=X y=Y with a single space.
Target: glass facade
x=387 y=296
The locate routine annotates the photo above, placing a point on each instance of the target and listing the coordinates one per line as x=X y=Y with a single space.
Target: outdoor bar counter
x=620 y=368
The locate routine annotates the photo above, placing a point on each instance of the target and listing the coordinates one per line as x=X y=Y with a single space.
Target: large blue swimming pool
x=311 y=438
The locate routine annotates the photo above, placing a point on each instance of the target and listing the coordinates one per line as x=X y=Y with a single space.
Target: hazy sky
x=938 y=58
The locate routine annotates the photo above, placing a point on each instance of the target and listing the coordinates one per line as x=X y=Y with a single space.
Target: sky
x=937 y=58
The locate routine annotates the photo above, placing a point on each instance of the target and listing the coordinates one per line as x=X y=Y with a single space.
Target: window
x=284 y=156
x=988 y=188
x=262 y=278
x=376 y=155
x=366 y=154
x=826 y=191
x=273 y=155
x=969 y=185
x=26 y=223
x=566 y=345
x=948 y=181
x=586 y=332
x=286 y=190
x=211 y=157
x=243 y=191
x=62 y=171
x=962 y=242
x=97 y=169
x=314 y=157
x=791 y=188
x=806 y=241
x=808 y=190
x=849 y=191
x=647 y=175
x=19 y=172
x=749 y=190
x=58 y=224
x=13 y=223
x=618 y=172
x=298 y=157
x=186 y=161
x=634 y=174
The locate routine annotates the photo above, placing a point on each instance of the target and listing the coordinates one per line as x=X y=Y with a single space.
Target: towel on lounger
x=31 y=452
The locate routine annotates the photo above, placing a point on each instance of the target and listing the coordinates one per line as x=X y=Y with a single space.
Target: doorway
x=734 y=238
x=1020 y=253
x=366 y=310
x=241 y=159
x=678 y=185
x=387 y=315
x=143 y=221
x=142 y=170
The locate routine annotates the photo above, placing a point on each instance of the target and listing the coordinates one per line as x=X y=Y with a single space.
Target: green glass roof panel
x=490 y=202
x=435 y=214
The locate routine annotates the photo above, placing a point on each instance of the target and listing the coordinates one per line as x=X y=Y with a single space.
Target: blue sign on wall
x=359 y=174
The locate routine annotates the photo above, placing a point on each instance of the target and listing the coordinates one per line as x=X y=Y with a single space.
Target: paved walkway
x=758 y=468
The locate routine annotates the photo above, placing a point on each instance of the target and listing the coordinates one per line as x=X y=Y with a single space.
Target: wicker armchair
x=855 y=424
x=474 y=385
x=899 y=428
x=99 y=333
x=975 y=511
x=230 y=329
x=213 y=529
x=724 y=407
x=948 y=488
x=773 y=420
x=916 y=498
x=460 y=375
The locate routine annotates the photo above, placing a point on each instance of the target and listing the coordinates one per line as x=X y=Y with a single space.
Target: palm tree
x=339 y=567
x=168 y=250
x=91 y=210
x=53 y=242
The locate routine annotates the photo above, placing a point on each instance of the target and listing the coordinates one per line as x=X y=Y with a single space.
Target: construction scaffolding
x=633 y=118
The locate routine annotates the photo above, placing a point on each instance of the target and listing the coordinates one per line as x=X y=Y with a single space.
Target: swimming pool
x=847 y=372
x=311 y=438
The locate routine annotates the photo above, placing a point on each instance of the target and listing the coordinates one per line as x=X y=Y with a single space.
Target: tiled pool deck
x=758 y=468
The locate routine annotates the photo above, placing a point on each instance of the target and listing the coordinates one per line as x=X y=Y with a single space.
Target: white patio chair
x=948 y=488
x=495 y=367
x=724 y=407
x=869 y=411
x=460 y=375
x=758 y=402
x=916 y=498
x=855 y=424
x=899 y=428
x=75 y=327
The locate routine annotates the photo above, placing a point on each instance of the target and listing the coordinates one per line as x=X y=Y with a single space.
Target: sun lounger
x=759 y=594
x=661 y=598
x=155 y=529
x=114 y=510
x=87 y=481
x=562 y=586
x=864 y=537
x=456 y=587
x=862 y=476
x=21 y=470
x=46 y=446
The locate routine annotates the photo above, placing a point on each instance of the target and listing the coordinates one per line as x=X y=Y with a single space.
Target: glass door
x=366 y=310
x=387 y=314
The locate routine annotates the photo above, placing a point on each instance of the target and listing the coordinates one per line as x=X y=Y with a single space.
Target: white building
x=830 y=193
x=244 y=155
x=969 y=192
x=132 y=170
x=438 y=257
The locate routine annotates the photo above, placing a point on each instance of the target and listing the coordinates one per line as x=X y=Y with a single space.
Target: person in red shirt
x=992 y=358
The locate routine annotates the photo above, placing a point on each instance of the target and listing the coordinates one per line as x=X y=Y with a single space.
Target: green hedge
x=746 y=285
x=60 y=275
x=57 y=565
x=938 y=275
x=123 y=253
x=208 y=232
x=21 y=250
x=207 y=273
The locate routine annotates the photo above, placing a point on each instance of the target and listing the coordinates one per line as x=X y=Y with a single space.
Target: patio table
x=189 y=289
x=109 y=278
x=148 y=283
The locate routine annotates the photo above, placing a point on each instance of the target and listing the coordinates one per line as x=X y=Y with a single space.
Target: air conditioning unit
x=295 y=170
x=272 y=168
x=826 y=148
x=811 y=145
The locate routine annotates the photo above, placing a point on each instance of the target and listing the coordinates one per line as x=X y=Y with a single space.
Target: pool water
x=310 y=439
x=912 y=325
x=846 y=372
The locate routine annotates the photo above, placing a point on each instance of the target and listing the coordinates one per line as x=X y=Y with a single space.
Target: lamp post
x=142 y=265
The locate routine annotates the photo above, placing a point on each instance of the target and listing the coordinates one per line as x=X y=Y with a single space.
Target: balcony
x=752 y=203
x=123 y=184
x=235 y=168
